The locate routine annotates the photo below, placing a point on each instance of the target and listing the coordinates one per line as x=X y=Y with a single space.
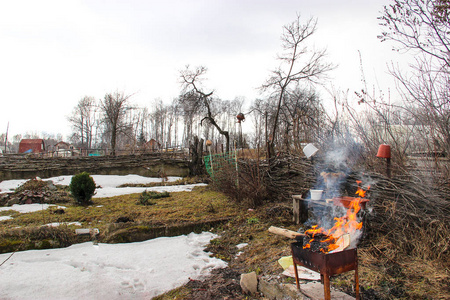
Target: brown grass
x=201 y=205
x=388 y=275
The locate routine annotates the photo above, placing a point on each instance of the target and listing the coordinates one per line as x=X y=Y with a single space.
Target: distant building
x=63 y=146
x=31 y=146
x=63 y=149
x=151 y=145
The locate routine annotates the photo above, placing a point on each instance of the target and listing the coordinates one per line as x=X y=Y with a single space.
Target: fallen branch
x=285 y=232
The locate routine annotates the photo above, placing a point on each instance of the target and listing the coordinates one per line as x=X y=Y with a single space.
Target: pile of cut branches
x=413 y=214
x=288 y=175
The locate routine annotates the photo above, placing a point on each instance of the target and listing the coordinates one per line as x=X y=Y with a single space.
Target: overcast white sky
x=52 y=53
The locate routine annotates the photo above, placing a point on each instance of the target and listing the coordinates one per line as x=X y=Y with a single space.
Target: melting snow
x=27 y=208
x=107 y=271
x=109 y=184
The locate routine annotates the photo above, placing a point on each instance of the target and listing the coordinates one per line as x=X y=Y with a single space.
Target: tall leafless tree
x=193 y=94
x=83 y=120
x=422 y=27
x=298 y=63
x=115 y=107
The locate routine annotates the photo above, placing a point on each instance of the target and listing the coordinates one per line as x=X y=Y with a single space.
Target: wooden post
x=300 y=209
x=236 y=162
x=296 y=209
x=388 y=167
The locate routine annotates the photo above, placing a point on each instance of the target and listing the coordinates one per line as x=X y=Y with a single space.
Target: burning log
x=318 y=243
x=321 y=240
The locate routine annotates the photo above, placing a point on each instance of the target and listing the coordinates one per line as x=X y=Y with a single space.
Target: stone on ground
x=249 y=283
x=314 y=290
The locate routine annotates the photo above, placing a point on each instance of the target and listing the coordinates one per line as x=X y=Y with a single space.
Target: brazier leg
x=296 y=275
x=356 y=283
x=326 y=287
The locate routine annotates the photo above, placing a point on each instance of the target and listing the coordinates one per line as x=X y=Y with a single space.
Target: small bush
x=146 y=197
x=252 y=220
x=82 y=188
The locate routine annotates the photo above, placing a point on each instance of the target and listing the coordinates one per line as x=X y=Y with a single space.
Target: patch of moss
x=179 y=293
x=141 y=228
x=10 y=245
x=44 y=244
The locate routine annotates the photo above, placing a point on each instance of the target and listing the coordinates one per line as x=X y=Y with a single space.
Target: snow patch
x=109 y=184
x=64 y=223
x=27 y=208
x=107 y=271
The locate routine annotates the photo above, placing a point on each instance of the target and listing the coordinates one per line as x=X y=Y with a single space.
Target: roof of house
x=31 y=141
x=31 y=145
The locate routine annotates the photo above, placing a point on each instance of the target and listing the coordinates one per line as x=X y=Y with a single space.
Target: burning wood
x=319 y=239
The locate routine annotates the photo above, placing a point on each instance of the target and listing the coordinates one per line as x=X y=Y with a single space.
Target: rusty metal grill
x=327 y=264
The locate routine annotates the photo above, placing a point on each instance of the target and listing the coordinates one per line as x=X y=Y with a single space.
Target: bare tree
x=83 y=120
x=194 y=95
x=422 y=27
x=302 y=117
x=298 y=63
x=141 y=125
x=258 y=112
x=114 y=108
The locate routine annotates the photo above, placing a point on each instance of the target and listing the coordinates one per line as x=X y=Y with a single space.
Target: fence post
x=236 y=161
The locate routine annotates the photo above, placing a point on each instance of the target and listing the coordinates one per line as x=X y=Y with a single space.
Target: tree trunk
x=196 y=152
x=113 y=142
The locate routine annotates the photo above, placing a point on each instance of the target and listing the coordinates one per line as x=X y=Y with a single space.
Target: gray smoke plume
x=332 y=178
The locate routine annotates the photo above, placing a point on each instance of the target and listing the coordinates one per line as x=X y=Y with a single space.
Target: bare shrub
x=244 y=183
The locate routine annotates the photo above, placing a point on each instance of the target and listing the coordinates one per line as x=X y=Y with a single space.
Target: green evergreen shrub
x=82 y=188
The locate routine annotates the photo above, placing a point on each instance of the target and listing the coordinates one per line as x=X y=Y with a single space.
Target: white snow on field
x=4 y=218
x=10 y=185
x=57 y=224
x=113 y=191
x=105 y=181
x=112 y=180
x=107 y=271
x=27 y=208
x=109 y=184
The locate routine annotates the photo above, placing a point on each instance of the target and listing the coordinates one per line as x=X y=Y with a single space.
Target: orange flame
x=346 y=224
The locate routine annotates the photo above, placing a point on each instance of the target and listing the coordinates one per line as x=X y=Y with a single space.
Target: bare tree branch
x=298 y=63
x=193 y=94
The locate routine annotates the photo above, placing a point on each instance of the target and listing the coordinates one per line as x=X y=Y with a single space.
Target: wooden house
x=31 y=146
